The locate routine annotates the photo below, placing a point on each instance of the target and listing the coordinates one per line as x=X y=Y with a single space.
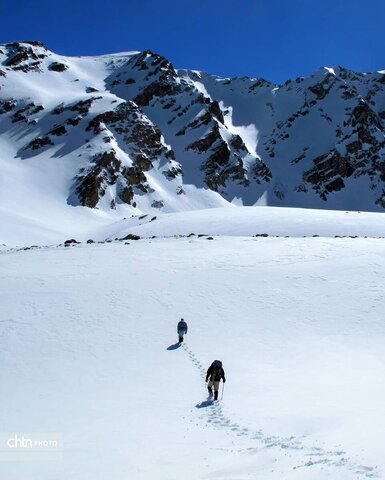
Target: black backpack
x=217 y=370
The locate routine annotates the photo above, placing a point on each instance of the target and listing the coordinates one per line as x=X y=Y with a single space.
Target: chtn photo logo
x=22 y=442
x=30 y=446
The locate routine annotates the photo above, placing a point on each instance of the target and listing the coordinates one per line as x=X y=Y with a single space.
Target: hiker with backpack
x=214 y=375
x=181 y=329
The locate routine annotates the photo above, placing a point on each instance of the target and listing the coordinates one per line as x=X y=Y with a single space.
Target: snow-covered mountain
x=128 y=134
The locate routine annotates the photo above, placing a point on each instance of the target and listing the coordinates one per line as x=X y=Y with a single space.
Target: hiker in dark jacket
x=214 y=375
x=181 y=329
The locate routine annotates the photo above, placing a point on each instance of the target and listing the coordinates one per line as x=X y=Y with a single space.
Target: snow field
x=296 y=322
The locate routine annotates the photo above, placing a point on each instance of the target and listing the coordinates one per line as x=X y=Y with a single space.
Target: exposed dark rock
x=204 y=144
x=134 y=175
x=322 y=89
x=216 y=111
x=113 y=116
x=156 y=89
x=58 y=110
x=130 y=236
x=36 y=43
x=172 y=172
x=260 y=83
x=326 y=175
x=157 y=204
x=6 y=106
x=261 y=172
x=57 y=67
x=353 y=147
x=58 y=130
x=16 y=59
x=91 y=184
x=73 y=121
x=236 y=142
x=70 y=242
x=126 y=195
x=39 y=142
x=23 y=113
x=89 y=241
x=82 y=106
x=335 y=185
x=143 y=162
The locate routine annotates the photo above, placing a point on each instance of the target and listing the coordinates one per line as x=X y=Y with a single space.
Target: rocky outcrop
x=58 y=67
x=24 y=57
x=91 y=184
x=82 y=107
x=142 y=137
x=25 y=113
x=39 y=143
x=328 y=173
x=141 y=140
x=7 y=106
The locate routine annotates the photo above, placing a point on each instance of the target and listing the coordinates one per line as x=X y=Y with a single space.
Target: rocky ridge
x=136 y=131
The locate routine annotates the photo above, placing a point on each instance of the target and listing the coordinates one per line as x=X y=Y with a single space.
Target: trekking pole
x=223 y=387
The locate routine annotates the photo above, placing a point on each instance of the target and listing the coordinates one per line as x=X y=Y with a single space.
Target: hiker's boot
x=215 y=395
x=210 y=390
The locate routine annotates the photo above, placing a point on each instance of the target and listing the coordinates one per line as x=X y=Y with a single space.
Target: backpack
x=182 y=326
x=217 y=370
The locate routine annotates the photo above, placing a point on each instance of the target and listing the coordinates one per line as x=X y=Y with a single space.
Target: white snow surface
x=297 y=322
x=83 y=223
x=251 y=221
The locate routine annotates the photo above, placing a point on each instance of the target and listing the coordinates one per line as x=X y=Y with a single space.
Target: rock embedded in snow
x=70 y=242
x=58 y=67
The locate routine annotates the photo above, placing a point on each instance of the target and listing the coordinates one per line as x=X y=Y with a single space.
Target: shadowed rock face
x=146 y=127
x=102 y=172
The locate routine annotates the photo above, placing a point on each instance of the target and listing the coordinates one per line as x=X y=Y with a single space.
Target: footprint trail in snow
x=290 y=445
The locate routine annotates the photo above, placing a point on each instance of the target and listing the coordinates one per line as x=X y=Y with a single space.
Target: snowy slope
x=250 y=221
x=297 y=322
x=25 y=231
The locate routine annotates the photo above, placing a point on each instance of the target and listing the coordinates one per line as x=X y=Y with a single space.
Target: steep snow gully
x=213 y=414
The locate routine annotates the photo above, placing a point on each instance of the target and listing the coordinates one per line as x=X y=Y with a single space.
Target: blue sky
x=275 y=39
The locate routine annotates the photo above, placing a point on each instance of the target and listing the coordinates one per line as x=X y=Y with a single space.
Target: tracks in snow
x=315 y=456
